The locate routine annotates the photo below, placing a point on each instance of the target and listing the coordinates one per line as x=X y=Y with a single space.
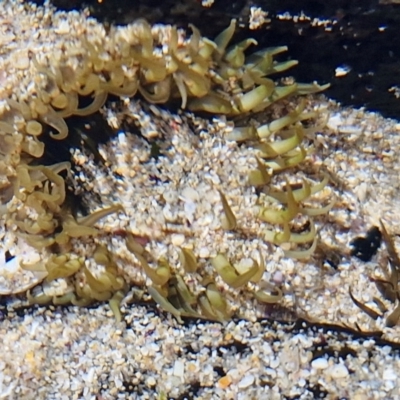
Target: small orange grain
x=228 y=336
x=224 y=382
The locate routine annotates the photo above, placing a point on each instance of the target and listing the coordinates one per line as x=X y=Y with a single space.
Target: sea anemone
x=160 y=64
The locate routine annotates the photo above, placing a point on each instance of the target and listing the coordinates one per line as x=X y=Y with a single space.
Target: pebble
x=151 y=381
x=319 y=363
x=224 y=382
x=177 y=239
x=389 y=374
x=204 y=252
x=179 y=369
x=334 y=121
x=246 y=381
x=274 y=363
x=339 y=371
x=22 y=61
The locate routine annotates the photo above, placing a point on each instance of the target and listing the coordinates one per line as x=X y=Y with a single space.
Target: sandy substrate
x=173 y=201
x=83 y=353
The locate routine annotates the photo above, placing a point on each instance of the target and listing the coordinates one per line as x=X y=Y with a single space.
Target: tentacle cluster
x=82 y=286
x=205 y=74
x=161 y=65
x=171 y=292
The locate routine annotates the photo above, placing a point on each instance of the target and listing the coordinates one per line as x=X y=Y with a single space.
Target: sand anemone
x=161 y=64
